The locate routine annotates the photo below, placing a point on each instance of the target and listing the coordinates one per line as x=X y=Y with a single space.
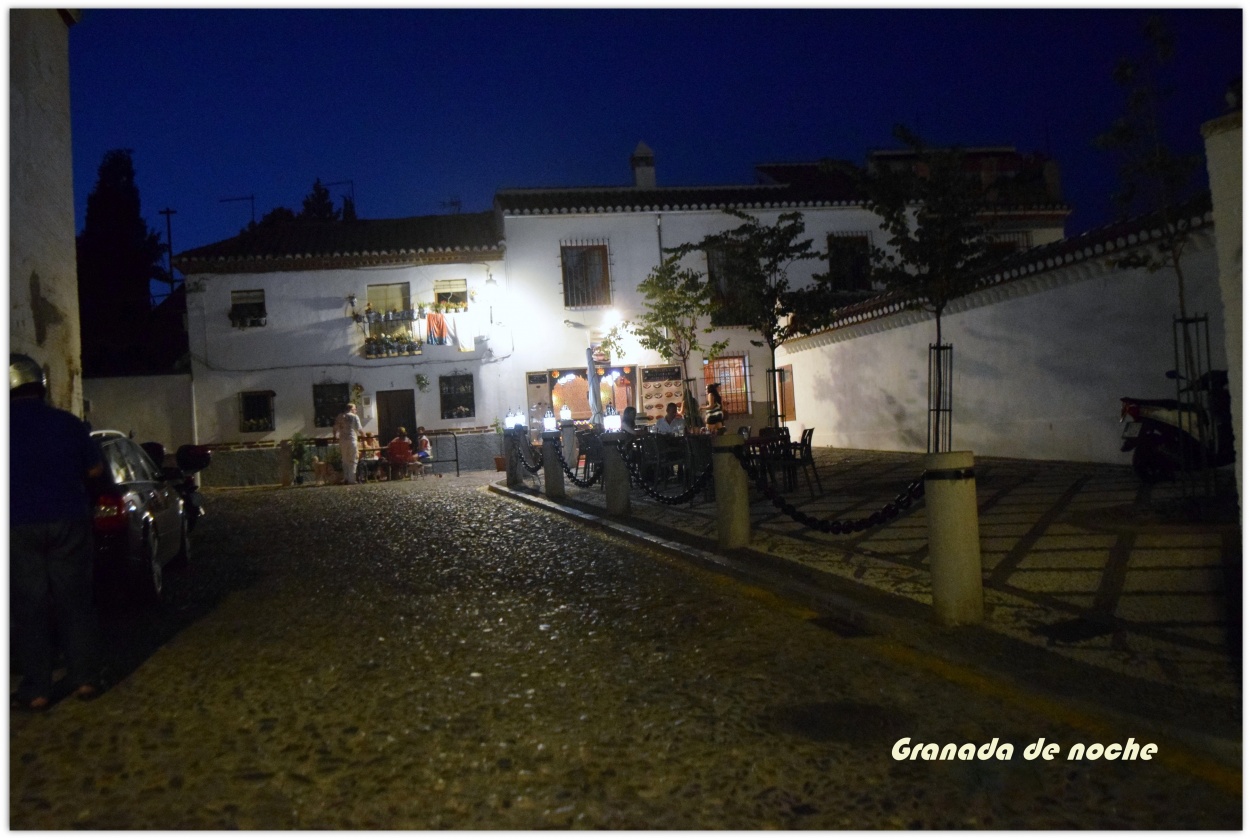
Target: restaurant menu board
x=660 y=385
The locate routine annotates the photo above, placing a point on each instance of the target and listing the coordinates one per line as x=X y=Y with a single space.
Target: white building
x=276 y=350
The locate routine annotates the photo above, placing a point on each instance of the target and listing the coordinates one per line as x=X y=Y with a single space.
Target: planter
x=501 y=464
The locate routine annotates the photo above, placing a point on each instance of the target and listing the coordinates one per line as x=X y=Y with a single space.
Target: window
x=247 y=308
x=389 y=312
x=1003 y=245
x=455 y=292
x=731 y=372
x=256 y=410
x=328 y=401
x=586 y=281
x=850 y=267
x=455 y=395
x=727 y=297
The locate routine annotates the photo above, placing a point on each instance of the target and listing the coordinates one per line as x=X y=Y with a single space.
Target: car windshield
x=128 y=462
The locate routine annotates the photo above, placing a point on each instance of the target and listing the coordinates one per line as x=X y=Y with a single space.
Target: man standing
x=347 y=427
x=50 y=538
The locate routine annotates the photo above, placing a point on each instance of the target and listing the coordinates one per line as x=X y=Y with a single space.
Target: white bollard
x=950 y=497
x=733 y=506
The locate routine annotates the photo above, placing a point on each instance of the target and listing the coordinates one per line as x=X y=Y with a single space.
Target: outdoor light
x=565 y=413
x=611 y=420
x=351 y=300
x=549 y=419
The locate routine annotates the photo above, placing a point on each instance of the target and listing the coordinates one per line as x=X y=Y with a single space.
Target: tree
x=931 y=209
x=751 y=286
x=678 y=301
x=318 y=205
x=1153 y=179
x=118 y=257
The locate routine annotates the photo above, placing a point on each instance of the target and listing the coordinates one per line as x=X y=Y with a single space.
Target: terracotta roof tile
x=364 y=241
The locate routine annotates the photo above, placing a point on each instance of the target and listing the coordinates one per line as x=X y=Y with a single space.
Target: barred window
x=328 y=402
x=731 y=372
x=256 y=410
x=455 y=395
x=393 y=307
x=586 y=280
x=727 y=296
x=850 y=267
x=451 y=291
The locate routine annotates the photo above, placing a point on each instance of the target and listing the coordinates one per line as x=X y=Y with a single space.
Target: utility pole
x=169 y=243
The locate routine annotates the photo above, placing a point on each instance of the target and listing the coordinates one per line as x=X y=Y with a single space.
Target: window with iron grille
x=451 y=291
x=586 y=279
x=328 y=402
x=849 y=261
x=247 y=307
x=727 y=295
x=256 y=410
x=731 y=372
x=455 y=395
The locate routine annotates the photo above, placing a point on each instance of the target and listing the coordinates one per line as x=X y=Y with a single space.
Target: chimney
x=643 y=163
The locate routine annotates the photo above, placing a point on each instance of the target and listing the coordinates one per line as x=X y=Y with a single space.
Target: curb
x=1082 y=695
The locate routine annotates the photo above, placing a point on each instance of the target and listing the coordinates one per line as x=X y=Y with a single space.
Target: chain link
x=890 y=511
x=627 y=449
x=520 y=444
x=584 y=484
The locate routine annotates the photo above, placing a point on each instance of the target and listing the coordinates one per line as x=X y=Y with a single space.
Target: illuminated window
x=585 y=272
x=451 y=291
x=390 y=311
x=731 y=372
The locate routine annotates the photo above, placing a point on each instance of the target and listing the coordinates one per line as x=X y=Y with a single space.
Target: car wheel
x=149 y=575
x=183 y=558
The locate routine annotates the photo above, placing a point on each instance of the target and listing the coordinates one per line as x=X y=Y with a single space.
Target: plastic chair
x=399 y=457
x=801 y=454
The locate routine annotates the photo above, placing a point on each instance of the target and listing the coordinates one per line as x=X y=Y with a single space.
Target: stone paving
x=1082 y=561
x=425 y=655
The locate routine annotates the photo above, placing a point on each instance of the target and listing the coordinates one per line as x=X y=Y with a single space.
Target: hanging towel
x=462 y=331
x=436 y=326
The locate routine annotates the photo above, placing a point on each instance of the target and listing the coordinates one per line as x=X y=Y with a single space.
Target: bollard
x=950 y=494
x=615 y=474
x=568 y=439
x=733 y=508
x=512 y=469
x=286 y=464
x=553 y=475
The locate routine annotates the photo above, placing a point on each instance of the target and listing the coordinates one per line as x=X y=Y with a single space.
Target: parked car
x=141 y=524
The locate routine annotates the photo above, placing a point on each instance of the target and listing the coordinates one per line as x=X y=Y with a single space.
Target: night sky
x=420 y=107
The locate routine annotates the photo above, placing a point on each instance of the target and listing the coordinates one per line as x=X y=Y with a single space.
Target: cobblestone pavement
x=422 y=655
x=1079 y=559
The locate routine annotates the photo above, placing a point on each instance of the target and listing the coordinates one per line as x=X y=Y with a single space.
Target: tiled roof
x=1110 y=243
x=307 y=245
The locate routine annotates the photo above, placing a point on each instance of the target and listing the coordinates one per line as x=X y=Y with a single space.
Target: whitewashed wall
x=535 y=297
x=1039 y=365
x=155 y=408
x=310 y=338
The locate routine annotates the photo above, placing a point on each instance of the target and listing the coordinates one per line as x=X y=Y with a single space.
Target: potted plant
x=501 y=463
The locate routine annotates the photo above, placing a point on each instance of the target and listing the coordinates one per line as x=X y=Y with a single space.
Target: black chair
x=591 y=449
x=801 y=454
x=777 y=456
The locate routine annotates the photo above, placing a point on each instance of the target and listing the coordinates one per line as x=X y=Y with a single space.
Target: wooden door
x=396 y=408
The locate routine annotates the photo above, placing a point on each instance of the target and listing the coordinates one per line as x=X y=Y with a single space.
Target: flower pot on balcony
x=501 y=465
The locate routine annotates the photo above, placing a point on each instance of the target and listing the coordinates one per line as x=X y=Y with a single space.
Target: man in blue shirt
x=52 y=460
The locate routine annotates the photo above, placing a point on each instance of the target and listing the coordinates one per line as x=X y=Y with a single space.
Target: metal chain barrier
x=572 y=476
x=627 y=449
x=518 y=454
x=890 y=511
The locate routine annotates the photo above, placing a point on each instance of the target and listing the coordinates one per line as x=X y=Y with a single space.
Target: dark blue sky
x=419 y=106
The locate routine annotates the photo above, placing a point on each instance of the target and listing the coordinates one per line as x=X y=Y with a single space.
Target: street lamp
x=549 y=420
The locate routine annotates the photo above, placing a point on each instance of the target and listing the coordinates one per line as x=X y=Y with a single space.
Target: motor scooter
x=190 y=459
x=1167 y=436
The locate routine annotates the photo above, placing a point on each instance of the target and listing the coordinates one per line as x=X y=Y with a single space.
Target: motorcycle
x=190 y=459
x=1167 y=436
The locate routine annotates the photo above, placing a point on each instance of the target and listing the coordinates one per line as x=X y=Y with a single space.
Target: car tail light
x=1130 y=409
x=110 y=513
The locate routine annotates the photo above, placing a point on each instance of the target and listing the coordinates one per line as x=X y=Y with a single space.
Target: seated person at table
x=423 y=445
x=629 y=421
x=401 y=435
x=670 y=423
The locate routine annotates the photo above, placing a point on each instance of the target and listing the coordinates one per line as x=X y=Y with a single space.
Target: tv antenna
x=251 y=198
